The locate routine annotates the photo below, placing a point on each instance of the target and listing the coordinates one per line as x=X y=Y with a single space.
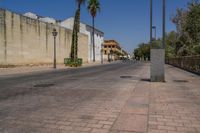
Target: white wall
x=86 y=29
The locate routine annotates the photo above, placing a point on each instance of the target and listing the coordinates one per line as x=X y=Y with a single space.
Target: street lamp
x=102 y=46
x=154 y=27
x=157 y=72
x=111 y=53
x=164 y=19
x=151 y=21
x=54 y=33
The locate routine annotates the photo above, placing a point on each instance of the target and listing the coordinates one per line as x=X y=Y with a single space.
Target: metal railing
x=189 y=63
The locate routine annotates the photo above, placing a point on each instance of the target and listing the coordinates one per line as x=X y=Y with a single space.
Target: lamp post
x=111 y=53
x=164 y=19
x=102 y=46
x=151 y=21
x=54 y=33
x=154 y=27
x=157 y=72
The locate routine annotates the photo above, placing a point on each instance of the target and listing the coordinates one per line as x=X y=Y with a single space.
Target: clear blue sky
x=126 y=21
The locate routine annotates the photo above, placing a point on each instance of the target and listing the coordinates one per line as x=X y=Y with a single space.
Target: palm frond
x=93 y=7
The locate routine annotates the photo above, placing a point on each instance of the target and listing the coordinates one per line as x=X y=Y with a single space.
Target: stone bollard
x=157 y=65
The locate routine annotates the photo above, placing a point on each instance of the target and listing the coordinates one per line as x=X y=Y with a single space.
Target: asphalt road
x=51 y=101
x=60 y=75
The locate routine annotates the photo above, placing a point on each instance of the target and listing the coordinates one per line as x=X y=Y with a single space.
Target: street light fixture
x=157 y=55
x=164 y=24
x=154 y=27
x=54 y=33
x=102 y=46
x=111 y=52
x=151 y=21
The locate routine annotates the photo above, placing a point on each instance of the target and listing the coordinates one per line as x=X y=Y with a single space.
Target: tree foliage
x=185 y=41
x=187 y=22
x=76 y=29
x=93 y=8
x=142 y=52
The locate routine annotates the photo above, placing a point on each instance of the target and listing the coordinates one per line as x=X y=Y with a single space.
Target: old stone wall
x=29 y=41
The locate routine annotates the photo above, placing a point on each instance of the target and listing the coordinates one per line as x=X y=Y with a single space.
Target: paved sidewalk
x=174 y=106
x=171 y=107
x=106 y=103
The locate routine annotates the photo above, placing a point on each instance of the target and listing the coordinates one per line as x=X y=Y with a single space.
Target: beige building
x=112 y=50
x=25 y=40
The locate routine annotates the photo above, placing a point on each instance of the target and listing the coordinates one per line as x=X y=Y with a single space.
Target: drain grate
x=43 y=85
x=125 y=77
x=145 y=80
x=86 y=117
x=181 y=81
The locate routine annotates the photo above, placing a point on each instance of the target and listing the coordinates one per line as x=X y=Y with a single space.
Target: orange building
x=112 y=50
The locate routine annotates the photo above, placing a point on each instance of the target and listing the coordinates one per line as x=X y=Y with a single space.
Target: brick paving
x=105 y=103
x=175 y=106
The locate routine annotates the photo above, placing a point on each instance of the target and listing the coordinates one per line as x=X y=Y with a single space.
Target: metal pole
x=164 y=29
x=164 y=17
x=111 y=53
x=151 y=21
x=102 y=53
x=54 y=52
x=155 y=33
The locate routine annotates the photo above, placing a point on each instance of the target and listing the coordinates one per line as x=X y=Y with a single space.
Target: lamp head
x=55 y=33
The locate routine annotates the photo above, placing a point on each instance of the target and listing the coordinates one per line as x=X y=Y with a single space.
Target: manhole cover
x=125 y=77
x=86 y=117
x=181 y=81
x=44 y=85
x=146 y=80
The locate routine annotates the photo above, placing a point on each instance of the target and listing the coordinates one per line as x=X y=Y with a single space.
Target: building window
x=105 y=52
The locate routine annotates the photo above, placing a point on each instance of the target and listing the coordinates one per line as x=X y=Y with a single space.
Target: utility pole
x=157 y=71
x=102 y=52
x=151 y=21
x=164 y=19
x=154 y=27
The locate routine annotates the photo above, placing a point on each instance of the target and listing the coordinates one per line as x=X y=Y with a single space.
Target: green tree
x=93 y=7
x=192 y=26
x=171 y=40
x=142 y=52
x=157 y=43
x=137 y=53
x=180 y=20
x=76 y=29
x=188 y=30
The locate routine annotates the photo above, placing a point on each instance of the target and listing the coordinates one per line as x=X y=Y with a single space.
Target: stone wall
x=29 y=41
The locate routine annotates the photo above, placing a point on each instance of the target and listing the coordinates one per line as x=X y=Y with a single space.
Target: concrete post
x=157 y=65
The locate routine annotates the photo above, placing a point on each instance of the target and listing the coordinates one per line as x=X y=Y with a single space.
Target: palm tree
x=93 y=8
x=76 y=29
